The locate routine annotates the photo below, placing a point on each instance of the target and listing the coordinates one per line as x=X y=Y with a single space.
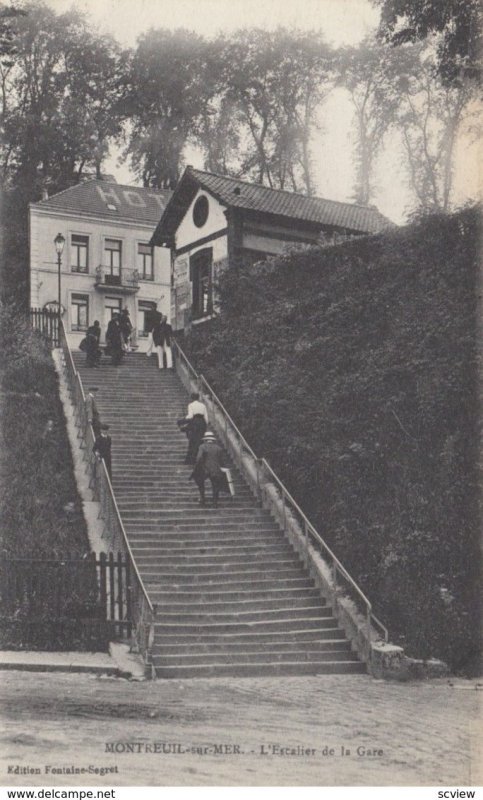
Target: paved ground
x=418 y=734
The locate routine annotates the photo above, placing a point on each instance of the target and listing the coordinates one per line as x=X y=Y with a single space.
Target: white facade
x=107 y=264
x=211 y=236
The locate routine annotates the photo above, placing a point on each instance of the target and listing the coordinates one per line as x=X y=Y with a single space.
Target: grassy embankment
x=41 y=514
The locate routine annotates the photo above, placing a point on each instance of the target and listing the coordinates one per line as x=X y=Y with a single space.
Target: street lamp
x=59 y=242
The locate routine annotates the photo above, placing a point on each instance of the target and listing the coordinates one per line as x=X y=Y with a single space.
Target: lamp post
x=59 y=242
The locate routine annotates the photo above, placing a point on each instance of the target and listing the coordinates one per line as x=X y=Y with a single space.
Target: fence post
x=102 y=581
x=259 y=489
x=334 y=580
x=128 y=598
x=112 y=586
x=120 y=598
x=306 y=538
x=368 y=627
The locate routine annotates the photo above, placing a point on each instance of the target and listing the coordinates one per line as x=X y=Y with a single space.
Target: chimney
x=45 y=194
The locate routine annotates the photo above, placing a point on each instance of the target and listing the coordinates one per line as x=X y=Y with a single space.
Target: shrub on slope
x=40 y=511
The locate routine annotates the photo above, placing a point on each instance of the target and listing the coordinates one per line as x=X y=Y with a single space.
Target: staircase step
x=204 y=607
x=303 y=637
x=222 y=584
x=282 y=625
x=254 y=646
x=270 y=668
x=262 y=657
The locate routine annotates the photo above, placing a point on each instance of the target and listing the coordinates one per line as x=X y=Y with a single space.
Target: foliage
x=367 y=72
x=41 y=511
x=14 y=248
x=164 y=94
x=59 y=89
x=250 y=101
x=458 y=24
x=354 y=371
x=430 y=116
x=276 y=82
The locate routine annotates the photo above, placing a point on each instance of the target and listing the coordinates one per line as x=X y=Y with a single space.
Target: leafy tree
x=276 y=81
x=60 y=91
x=458 y=22
x=164 y=95
x=367 y=73
x=430 y=117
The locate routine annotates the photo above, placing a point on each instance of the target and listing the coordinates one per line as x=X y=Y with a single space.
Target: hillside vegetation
x=353 y=370
x=41 y=511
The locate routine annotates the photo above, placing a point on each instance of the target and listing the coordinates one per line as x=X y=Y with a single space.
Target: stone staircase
x=233 y=597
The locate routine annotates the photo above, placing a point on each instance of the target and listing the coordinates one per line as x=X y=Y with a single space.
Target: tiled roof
x=110 y=201
x=255 y=197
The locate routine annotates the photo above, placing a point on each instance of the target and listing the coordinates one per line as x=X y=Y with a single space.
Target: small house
x=213 y=222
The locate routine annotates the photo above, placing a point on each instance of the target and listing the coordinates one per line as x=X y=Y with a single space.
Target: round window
x=200 y=211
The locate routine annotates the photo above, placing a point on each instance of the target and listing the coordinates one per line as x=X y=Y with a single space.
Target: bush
x=354 y=370
x=41 y=511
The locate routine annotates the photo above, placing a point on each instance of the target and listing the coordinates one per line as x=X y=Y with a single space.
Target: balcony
x=127 y=282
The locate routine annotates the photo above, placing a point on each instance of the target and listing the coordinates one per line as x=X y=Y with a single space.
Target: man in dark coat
x=96 y=329
x=153 y=318
x=162 y=333
x=114 y=340
x=209 y=463
x=126 y=327
x=93 y=352
x=102 y=448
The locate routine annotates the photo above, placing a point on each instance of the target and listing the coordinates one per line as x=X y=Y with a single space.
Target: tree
x=58 y=113
x=367 y=73
x=60 y=91
x=459 y=23
x=274 y=83
x=219 y=127
x=164 y=96
x=430 y=118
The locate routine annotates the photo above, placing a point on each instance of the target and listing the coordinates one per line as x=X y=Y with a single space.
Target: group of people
x=204 y=453
x=118 y=336
x=118 y=339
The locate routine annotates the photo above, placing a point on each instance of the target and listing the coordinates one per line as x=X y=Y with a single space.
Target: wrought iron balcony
x=126 y=282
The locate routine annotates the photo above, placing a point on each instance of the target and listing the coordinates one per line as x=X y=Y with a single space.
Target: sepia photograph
x=240 y=395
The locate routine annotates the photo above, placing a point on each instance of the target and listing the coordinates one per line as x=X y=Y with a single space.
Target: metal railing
x=126 y=279
x=142 y=610
x=235 y=442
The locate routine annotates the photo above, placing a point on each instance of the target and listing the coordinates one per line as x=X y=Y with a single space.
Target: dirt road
x=327 y=730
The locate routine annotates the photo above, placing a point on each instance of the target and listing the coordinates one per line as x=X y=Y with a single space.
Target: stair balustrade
x=143 y=611
x=265 y=484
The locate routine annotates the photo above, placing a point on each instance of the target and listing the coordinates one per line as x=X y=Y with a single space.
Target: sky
x=343 y=22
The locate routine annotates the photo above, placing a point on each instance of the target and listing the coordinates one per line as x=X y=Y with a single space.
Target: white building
x=107 y=262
